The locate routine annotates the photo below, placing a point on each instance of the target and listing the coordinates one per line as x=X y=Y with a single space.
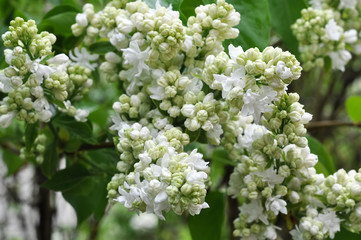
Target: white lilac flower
x=347 y=4
x=331 y=223
x=316 y=4
x=5 y=83
x=256 y=103
x=283 y=71
x=117 y=39
x=270 y=176
x=234 y=52
x=296 y=233
x=333 y=31
x=83 y=58
x=81 y=115
x=135 y=57
x=254 y=211
x=41 y=71
x=6 y=119
x=251 y=132
x=81 y=19
x=229 y=83
x=59 y=62
x=144 y=222
x=276 y=205
x=271 y=233
x=340 y=59
x=350 y=36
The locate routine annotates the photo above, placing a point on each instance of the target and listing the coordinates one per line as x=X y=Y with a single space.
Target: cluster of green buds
x=36 y=81
x=321 y=36
x=36 y=151
x=207 y=30
x=341 y=191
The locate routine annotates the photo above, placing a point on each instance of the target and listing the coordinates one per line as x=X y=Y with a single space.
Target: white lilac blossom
x=329 y=33
x=181 y=87
x=83 y=58
x=36 y=82
x=333 y=31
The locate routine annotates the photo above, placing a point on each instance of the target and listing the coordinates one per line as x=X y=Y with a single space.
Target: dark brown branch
x=98 y=146
x=12 y=148
x=330 y=123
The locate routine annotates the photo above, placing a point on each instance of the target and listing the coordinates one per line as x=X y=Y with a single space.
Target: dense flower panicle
x=35 y=81
x=180 y=87
x=325 y=31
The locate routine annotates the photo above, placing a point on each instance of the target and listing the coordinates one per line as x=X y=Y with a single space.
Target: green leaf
x=208 y=224
x=187 y=7
x=325 y=161
x=100 y=116
x=353 y=109
x=104 y=159
x=89 y=197
x=51 y=98
x=31 y=132
x=85 y=191
x=12 y=161
x=255 y=25
x=221 y=155
x=83 y=130
x=283 y=14
x=67 y=178
x=102 y=47
x=164 y=3
x=347 y=235
x=51 y=160
x=59 y=24
x=60 y=9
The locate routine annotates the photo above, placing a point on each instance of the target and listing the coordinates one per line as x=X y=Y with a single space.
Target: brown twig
x=97 y=146
x=330 y=123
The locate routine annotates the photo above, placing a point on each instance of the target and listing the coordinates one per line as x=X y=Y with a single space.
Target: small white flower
x=157 y=92
x=81 y=115
x=340 y=59
x=41 y=71
x=83 y=58
x=81 y=19
x=276 y=205
x=333 y=30
x=234 y=52
x=270 y=176
x=144 y=222
x=296 y=234
x=254 y=211
x=124 y=25
x=188 y=110
x=316 y=4
x=5 y=83
x=60 y=62
x=252 y=132
x=113 y=57
x=283 y=71
x=6 y=119
x=347 y=4
x=117 y=39
x=270 y=232
x=350 y=36
x=135 y=57
x=188 y=43
x=45 y=115
x=257 y=103
x=228 y=83
x=331 y=223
